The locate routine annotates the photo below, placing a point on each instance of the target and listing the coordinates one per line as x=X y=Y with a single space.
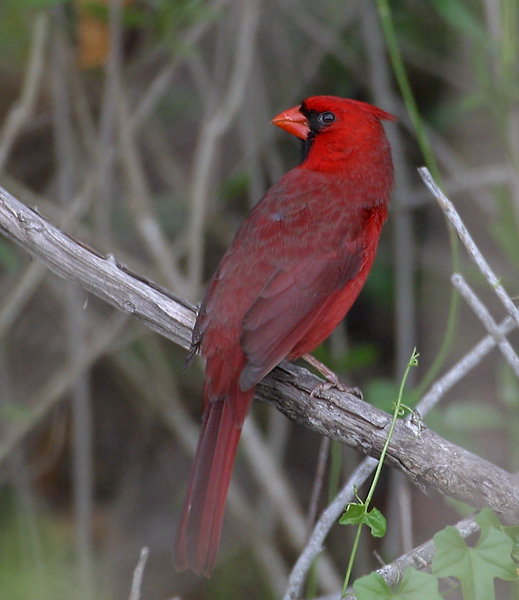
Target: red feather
x=293 y=271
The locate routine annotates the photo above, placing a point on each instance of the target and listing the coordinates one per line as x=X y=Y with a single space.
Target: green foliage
x=15 y=28
x=358 y=514
x=507 y=387
x=508 y=396
x=415 y=585
x=468 y=416
x=476 y=567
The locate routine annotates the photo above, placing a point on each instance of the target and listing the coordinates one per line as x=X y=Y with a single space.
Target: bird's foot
x=332 y=380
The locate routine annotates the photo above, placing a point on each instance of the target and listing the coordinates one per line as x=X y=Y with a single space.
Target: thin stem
x=396 y=413
x=353 y=554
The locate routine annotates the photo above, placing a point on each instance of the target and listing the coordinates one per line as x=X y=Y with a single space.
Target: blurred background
x=142 y=128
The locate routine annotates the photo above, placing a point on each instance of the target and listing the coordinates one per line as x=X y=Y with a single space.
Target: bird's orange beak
x=293 y=121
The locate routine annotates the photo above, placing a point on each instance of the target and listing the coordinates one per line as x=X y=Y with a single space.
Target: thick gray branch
x=430 y=461
x=427 y=459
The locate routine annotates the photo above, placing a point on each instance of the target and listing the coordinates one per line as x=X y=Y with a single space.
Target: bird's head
x=334 y=129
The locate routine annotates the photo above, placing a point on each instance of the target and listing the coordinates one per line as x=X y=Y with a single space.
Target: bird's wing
x=293 y=301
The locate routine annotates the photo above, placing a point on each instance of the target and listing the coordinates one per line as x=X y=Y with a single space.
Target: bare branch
x=455 y=220
x=422 y=555
x=102 y=275
x=138 y=574
x=321 y=529
x=430 y=461
x=215 y=125
x=485 y=317
x=461 y=368
x=23 y=109
x=427 y=459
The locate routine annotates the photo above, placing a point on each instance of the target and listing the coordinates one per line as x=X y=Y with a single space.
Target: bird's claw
x=334 y=382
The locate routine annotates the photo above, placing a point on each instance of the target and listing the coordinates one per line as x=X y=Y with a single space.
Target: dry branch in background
x=429 y=461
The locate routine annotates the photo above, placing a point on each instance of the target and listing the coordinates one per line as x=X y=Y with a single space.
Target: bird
x=295 y=267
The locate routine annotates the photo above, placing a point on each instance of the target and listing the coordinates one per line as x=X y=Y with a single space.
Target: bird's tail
x=198 y=536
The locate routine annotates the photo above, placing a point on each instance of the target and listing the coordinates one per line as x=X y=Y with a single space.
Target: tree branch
x=428 y=460
x=163 y=312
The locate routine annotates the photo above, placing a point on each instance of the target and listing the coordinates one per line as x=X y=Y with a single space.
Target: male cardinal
x=294 y=269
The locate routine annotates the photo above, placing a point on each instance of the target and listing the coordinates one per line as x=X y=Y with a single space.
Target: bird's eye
x=325 y=118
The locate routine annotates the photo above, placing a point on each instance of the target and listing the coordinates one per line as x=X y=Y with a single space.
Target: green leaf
x=488 y=518
x=356 y=514
x=476 y=568
x=414 y=586
x=376 y=521
x=15 y=413
x=372 y=586
x=513 y=534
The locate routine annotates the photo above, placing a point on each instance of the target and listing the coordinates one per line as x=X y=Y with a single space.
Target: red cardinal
x=293 y=271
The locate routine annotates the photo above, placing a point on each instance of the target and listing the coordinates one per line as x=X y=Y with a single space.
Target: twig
x=138 y=574
x=461 y=368
x=328 y=518
x=455 y=220
x=23 y=109
x=215 y=125
x=485 y=317
x=146 y=221
x=319 y=480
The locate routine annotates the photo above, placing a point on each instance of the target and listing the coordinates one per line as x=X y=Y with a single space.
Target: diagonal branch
x=428 y=460
x=166 y=314
x=481 y=311
x=451 y=213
